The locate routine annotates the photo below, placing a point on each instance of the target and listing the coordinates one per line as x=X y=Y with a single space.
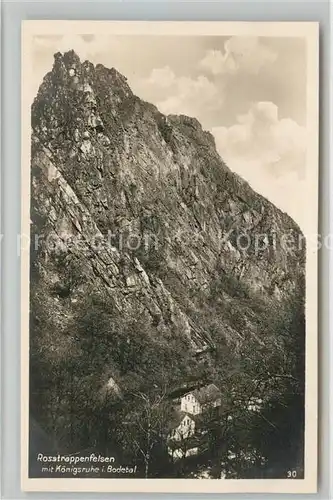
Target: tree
x=146 y=425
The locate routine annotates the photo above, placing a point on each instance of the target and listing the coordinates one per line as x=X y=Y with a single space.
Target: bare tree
x=146 y=424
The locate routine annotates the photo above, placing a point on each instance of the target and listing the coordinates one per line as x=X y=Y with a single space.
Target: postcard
x=169 y=256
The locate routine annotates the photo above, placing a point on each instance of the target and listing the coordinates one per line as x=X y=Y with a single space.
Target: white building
x=197 y=401
x=182 y=428
x=185 y=422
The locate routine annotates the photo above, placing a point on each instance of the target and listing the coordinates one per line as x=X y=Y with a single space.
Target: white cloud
x=241 y=54
x=195 y=96
x=261 y=136
x=162 y=77
x=268 y=152
x=98 y=45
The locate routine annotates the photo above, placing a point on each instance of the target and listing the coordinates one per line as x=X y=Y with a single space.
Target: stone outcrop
x=165 y=229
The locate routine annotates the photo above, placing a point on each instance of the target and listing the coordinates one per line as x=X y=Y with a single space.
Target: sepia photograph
x=169 y=256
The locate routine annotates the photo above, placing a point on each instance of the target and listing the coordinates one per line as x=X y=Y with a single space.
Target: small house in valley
x=185 y=424
x=198 y=400
x=182 y=428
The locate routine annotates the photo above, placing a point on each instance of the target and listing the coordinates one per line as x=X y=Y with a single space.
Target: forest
x=133 y=420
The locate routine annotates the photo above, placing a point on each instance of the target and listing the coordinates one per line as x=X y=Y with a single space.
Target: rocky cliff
x=137 y=222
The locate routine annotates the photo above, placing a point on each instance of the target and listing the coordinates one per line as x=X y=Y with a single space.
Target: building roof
x=207 y=394
x=177 y=417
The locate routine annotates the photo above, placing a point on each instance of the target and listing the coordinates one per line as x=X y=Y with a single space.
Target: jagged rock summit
x=139 y=219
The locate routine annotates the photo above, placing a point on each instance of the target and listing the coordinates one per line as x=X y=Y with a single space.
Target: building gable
x=209 y=394
x=184 y=429
x=190 y=404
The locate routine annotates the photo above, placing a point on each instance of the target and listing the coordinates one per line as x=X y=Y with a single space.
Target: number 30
x=292 y=473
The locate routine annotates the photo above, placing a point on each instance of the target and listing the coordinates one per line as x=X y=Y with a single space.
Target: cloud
x=172 y=93
x=193 y=96
x=240 y=55
x=162 y=77
x=84 y=45
x=270 y=153
x=212 y=86
x=259 y=135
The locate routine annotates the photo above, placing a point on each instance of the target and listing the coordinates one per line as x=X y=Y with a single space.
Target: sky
x=249 y=92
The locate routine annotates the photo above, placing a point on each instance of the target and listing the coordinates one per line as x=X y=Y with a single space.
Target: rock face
x=138 y=208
